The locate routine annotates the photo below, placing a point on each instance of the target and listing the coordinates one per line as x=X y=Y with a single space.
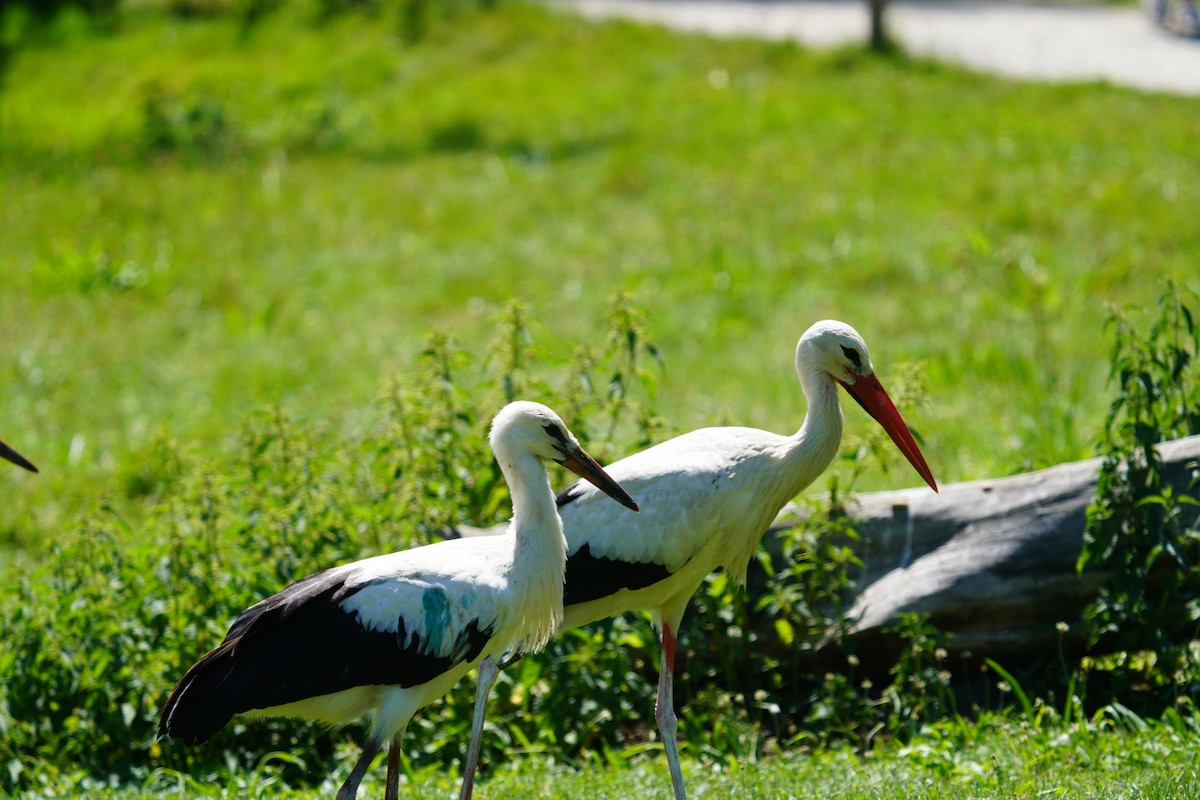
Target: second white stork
x=387 y=635
x=707 y=497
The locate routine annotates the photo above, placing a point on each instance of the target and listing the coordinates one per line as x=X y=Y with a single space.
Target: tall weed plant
x=96 y=638
x=1140 y=530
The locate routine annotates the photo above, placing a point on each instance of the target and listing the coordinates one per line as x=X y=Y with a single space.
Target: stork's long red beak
x=870 y=394
x=8 y=453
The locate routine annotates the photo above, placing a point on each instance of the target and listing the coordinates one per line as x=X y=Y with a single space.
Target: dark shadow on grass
x=468 y=136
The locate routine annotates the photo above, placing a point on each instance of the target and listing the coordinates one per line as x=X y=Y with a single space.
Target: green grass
x=996 y=758
x=197 y=224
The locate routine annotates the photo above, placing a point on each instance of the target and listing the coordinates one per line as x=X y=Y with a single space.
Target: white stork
x=387 y=635
x=9 y=454
x=707 y=497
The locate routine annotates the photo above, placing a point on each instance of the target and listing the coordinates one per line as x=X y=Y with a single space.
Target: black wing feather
x=591 y=577
x=299 y=644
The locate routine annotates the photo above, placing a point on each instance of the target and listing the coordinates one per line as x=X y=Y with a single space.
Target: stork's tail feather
x=205 y=700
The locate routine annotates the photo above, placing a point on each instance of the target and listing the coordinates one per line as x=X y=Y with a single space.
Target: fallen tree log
x=991 y=562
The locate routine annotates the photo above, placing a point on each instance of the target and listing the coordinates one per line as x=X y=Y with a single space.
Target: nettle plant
x=96 y=638
x=1140 y=529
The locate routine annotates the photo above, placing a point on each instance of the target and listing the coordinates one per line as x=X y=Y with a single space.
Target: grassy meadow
x=199 y=222
x=203 y=222
x=995 y=759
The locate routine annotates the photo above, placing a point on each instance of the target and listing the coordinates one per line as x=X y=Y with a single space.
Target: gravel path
x=1023 y=40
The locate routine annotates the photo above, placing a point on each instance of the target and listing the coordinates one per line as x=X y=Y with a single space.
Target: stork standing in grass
x=387 y=635
x=707 y=497
x=9 y=454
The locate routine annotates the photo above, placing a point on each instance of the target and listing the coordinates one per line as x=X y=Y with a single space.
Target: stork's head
x=523 y=428
x=835 y=349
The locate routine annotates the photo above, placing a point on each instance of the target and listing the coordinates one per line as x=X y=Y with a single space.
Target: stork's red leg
x=664 y=709
x=392 y=789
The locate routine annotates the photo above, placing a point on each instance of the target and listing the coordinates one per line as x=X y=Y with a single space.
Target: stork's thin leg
x=488 y=670
x=349 y=789
x=392 y=789
x=664 y=709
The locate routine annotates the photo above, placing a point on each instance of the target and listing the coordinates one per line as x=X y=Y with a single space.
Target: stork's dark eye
x=556 y=432
x=853 y=355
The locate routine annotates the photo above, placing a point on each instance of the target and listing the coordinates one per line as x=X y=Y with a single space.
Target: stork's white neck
x=791 y=464
x=816 y=443
x=539 y=549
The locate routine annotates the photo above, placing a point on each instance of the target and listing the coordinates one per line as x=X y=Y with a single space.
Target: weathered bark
x=991 y=562
x=879 y=40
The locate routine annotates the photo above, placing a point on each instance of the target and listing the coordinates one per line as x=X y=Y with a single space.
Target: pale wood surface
x=992 y=562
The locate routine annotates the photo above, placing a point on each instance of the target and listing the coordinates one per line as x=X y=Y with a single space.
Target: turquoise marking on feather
x=437 y=617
